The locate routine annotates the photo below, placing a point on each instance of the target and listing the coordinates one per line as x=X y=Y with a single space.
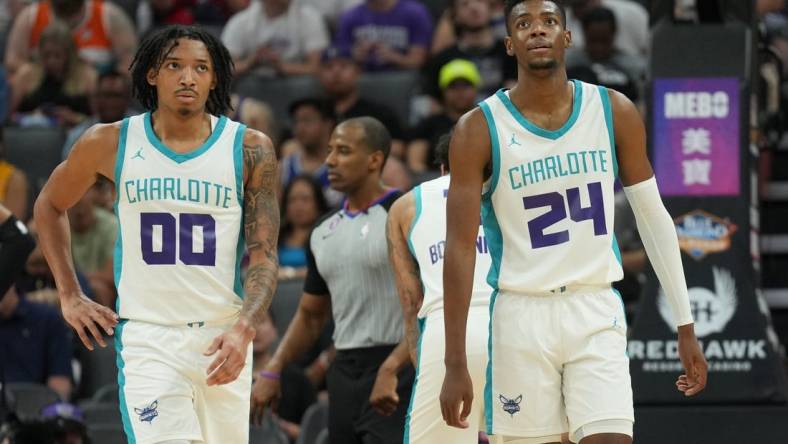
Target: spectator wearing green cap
x=459 y=81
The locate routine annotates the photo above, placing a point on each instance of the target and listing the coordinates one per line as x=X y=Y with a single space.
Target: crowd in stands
x=66 y=69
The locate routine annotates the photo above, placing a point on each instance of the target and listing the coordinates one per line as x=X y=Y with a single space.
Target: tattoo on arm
x=408 y=281
x=261 y=228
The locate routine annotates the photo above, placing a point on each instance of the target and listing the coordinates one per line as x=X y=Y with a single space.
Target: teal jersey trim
x=238 y=157
x=488 y=385
x=617 y=251
x=608 y=110
x=182 y=157
x=495 y=147
x=124 y=409
x=492 y=231
x=417 y=201
x=541 y=132
x=406 y=436
x=117 y=254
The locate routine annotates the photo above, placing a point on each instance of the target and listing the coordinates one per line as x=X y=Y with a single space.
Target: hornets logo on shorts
x=510 y=406
x=149 y=413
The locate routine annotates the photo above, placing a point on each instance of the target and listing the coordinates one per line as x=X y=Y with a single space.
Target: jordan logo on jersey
x=510 y=406
x=513 y=142
x=138 y=155
x=149 y=413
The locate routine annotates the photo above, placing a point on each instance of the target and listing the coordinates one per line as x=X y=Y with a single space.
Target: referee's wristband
x=269 y=375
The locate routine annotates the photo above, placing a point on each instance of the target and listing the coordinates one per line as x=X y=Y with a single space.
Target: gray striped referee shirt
x=347 y=259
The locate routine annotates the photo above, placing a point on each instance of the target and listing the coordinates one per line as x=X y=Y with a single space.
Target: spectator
x=213 y=14
x=386 y=34
x=93 y=232
x=110 y=102
x=300 y=392
x=458 y=81
x=35 y=344
x=154 y=14
x=102 y=33
x=478 y=43
x=275 y=37
x=302 y=205
x=313 y=122
x=633 y=35
x=331 y=10
x=611 y=67
x=13 y=187
x=256 y=115
x=55 y=90
x=338 y=76
x=446 y=32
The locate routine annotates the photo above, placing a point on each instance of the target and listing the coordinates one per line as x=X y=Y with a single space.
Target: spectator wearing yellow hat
x=458 y=81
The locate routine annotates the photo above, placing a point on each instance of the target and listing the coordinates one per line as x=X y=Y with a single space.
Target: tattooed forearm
x=261 y=225
x=407 y=278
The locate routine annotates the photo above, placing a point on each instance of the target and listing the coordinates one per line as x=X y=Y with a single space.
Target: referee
x=349 y=278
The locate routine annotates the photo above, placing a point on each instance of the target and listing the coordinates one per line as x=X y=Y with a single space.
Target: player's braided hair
x=156 y=47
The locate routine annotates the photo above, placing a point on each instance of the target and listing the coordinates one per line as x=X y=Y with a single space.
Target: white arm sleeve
x=658 y=233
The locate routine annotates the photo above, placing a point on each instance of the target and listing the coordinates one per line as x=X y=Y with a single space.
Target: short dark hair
x=442 y=151
x=376 y=136
x=154 y=49
x=323 y=107
x=510 y=4
x=600 y=15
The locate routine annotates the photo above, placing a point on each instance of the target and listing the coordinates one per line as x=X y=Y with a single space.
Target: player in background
x=416 y=232
x=547 y=153
x=184 y=178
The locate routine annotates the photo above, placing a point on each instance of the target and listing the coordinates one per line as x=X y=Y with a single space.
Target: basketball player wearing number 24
x=540 y=161
x=191 y=187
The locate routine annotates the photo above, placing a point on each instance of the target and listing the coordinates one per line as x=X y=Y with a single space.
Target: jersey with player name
x=180 y=239
x=427 y=242
x=547 y=208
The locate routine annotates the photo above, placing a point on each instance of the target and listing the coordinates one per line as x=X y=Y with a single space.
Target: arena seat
x=315 y=420
x=322 y=438
x=31 y=398
x=106 y=393
x=285 y=302
x=267 y=433
x=107 y=434
x=278 y=93
x=99 y=370
x=102 y=413
x=36 y=151
x=394 y=89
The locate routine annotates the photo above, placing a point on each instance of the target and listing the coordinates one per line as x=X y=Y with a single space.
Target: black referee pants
x=351 y=419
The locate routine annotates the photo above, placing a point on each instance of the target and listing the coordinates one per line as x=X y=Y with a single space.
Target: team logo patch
x=510 y=406
x=701 y=233
x=149 y=413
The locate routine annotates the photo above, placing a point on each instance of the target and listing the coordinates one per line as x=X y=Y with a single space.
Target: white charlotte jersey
x=180 y=239
x=547 y=208
x=427 y=242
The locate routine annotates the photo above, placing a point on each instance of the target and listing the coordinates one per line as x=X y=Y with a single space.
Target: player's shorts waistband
x=193 y=324
x=562 y=290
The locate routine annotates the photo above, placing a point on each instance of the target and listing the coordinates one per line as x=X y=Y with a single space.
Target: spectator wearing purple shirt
x=386 y=34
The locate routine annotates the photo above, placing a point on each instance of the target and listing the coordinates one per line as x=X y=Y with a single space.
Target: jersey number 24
x=555 y=200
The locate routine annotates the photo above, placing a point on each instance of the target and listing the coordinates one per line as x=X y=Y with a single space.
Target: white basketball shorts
x=557 y=362
x=424 y=423
x=163 y=391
